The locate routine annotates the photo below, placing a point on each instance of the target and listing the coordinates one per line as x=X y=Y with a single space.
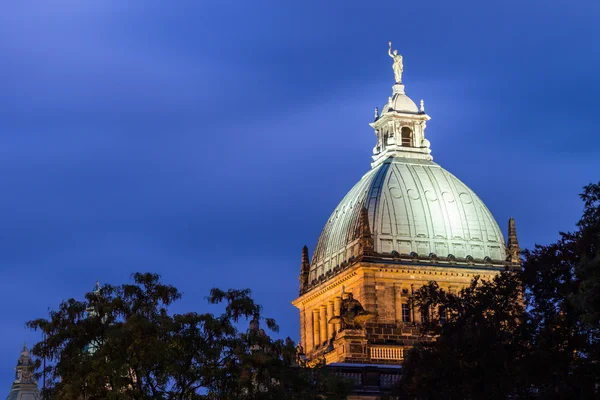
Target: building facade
x=406 y=222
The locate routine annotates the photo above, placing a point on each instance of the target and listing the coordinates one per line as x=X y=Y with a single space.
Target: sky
x=208 y=141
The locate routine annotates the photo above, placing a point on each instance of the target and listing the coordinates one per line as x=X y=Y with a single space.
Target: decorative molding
x=337 y=282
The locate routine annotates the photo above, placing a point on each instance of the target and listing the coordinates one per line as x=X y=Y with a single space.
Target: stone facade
x=384 y=289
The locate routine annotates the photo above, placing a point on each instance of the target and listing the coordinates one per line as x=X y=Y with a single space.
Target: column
x=330 y=327
x=308 y=331
x=337 y=309
x=303 y=328
x=323 y=321
x=316 y=333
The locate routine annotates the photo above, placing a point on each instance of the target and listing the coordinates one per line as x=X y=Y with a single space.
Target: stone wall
x=381 y=289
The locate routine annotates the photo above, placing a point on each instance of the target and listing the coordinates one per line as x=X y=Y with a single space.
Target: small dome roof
x=401 y=102
x=414 y=206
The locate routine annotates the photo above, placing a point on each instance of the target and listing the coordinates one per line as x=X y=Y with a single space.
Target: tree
x=478 y=344
x=121 y=342
x=493 y=347
x=563 y=281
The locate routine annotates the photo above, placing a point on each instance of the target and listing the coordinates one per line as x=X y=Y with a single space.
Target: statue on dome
x=398 y=67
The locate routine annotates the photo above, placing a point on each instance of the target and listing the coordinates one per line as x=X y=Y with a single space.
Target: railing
x=387 y=353
x=388 y=381
x=369 y=378
x=354 y=377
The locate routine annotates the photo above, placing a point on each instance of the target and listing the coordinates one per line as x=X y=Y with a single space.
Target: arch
x=407 y=137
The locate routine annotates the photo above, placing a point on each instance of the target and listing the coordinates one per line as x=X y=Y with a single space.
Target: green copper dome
x=414 y=206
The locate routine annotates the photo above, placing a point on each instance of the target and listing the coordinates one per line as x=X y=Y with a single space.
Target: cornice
x=326 y=286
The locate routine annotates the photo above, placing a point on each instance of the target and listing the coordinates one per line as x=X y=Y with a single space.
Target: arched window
x=406 y=137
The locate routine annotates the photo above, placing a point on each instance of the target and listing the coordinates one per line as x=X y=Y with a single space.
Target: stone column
x=303 y=328
x=337 y=309
x=308 y=330
x=316 y=326
x=330 y=327
x=323 y=321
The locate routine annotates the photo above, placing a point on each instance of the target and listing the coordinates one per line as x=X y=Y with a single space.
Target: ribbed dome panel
x=413 y=206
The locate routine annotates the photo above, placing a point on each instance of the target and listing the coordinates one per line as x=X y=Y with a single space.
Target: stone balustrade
x=387 y=353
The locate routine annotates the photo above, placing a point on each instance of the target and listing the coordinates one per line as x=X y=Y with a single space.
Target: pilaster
x=369 y=299
x=316 y=328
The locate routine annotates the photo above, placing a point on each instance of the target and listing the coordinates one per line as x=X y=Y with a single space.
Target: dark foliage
x=121 y=342
x=531 y=334
x=478 y=349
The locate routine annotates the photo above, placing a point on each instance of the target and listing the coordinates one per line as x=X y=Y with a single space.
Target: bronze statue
x=352 y=314
x=300 y=356
x=299 y=349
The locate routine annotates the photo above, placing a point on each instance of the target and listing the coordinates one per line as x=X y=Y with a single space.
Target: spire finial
x=512 y=246
x=422 y=109
x=304 y=270
x=24 y=350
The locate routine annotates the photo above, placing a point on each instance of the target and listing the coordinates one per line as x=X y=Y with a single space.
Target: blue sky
x=209 y=141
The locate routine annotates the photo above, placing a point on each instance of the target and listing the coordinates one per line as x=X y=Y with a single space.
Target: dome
x=401 y=102
x=414 y=206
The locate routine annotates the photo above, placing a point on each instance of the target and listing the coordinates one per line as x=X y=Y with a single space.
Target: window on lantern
x=424 y=315
x=405 y=313
x=406 y=137
x=443 y=315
